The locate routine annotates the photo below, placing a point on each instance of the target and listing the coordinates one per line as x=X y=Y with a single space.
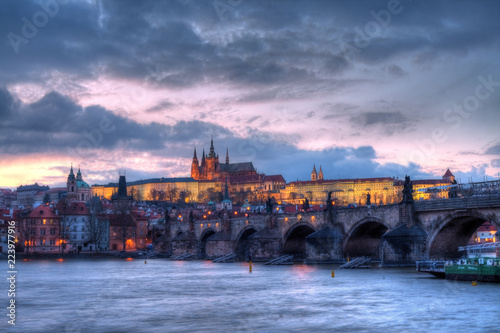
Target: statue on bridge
x=368 y=199
x=269 y=205
x=407 y=190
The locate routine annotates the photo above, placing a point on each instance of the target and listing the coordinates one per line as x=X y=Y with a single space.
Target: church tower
x=314 y=173
x=71 y=184
x=195 y=168
x=320 y=173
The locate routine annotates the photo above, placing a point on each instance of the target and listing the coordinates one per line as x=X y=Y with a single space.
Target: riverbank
x=89 y=255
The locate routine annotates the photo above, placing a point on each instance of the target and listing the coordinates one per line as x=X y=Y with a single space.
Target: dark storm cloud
x=55 y=123
x=163 y=40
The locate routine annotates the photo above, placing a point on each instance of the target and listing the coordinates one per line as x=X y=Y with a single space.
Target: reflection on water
x=131 y=296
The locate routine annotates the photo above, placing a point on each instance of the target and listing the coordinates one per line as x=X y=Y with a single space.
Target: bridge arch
x=363 y=239
x=454 y=230
x=241 y=244
x=203 y=241
x=294 y=241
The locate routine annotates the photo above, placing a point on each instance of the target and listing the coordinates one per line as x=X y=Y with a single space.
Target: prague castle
x=211 y=169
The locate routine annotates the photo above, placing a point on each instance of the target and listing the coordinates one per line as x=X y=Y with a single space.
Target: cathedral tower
x=314 y=173
x=195 y=168
x=320 y=173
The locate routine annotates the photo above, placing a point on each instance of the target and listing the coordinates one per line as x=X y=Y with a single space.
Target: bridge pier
x=403 y=245
x=325 y=246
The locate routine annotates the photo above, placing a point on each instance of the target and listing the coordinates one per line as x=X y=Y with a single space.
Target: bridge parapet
x=486 y=201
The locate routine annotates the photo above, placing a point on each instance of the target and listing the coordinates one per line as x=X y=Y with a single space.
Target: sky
x=362 y=88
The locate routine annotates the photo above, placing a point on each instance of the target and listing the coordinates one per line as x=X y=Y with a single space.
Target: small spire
x=227 y=155
x=194 y=157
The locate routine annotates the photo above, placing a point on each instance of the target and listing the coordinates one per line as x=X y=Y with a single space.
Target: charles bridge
x=397 y=234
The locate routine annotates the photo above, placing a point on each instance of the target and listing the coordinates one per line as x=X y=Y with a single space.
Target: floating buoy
x=333 y=273
x=250 y=266
x=145 y=261
x=474 y=283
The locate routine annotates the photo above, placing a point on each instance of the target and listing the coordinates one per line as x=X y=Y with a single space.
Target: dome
x=82 y=184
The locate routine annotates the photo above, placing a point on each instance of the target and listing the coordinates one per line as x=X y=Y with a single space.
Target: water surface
x=116 y=295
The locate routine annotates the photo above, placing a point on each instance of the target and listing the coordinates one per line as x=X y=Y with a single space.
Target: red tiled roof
x=42 y=211
x=448 y=174
x=275 y=178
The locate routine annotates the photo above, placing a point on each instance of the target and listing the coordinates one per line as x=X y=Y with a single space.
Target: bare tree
x=96 y=229
x=172 y=193
x=162 y=195
x=183 y=195
x=138 y=195
x=26 y=230
x=202 y=196
x=153 y=194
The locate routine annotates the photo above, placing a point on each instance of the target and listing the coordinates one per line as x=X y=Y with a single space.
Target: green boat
x=481 y=263
x=482 y=269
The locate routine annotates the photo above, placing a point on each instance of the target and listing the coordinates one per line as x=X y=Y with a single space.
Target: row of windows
x=43 y=231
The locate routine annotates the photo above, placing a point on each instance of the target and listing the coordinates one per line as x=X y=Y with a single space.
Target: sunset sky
x=362 y=88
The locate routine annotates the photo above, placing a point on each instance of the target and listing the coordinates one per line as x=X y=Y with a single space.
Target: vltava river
x=115 y=295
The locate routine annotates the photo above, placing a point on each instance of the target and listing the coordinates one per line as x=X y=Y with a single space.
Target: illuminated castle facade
x=211 y=169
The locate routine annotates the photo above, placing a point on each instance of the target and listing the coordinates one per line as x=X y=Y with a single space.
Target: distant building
x=27 y=195
x=382 y=190
x=485 y=234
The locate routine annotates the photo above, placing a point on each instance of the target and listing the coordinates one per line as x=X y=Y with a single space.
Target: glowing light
x=235 y=213
x=201 y=225
x=286 y=219
x=128 y=259
x=60 y=259
x=217 y=224
x=248 y=208
x=209 y=212
x=204 y=216
x=209 y=224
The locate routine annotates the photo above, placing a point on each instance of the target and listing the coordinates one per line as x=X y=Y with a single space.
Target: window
x=141 y=232
x=83 y=237
x=33 y=231
x=42 y=231
x=52 y=242
x=52 y=231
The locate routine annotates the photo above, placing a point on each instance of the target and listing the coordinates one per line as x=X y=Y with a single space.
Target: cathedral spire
x=195 y=157
x=212 y=150
x=314 y=173
x=71 y=175
x=227 y=155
